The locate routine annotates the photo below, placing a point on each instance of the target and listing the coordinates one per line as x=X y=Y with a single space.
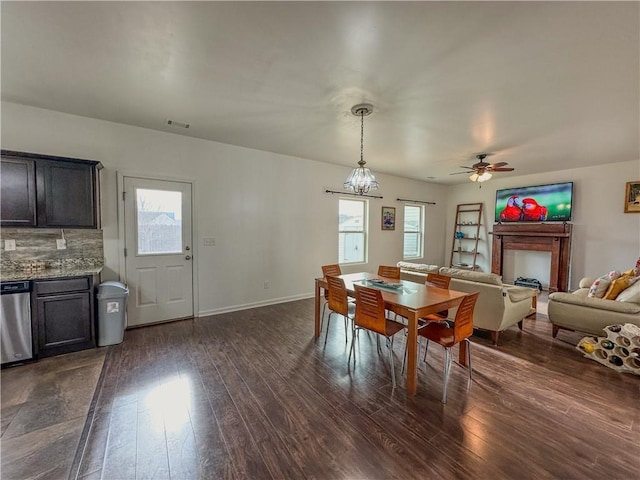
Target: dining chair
x=370 y=316
x=328 y=271
x=393 y=273
x=434 y=280
x=449 y=336
x=389 y=272
x=338 y=304
x=440 y=281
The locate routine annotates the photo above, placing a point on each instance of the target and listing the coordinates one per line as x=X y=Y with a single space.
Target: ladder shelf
x=467 y=228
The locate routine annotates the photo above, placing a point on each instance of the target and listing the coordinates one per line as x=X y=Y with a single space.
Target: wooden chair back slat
x=389 y=272
x=370 y=309
x=463 y=325
x=437 y=280
x=331 y=270
x=338 y=301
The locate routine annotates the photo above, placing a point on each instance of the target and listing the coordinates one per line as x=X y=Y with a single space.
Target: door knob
x=188 y=257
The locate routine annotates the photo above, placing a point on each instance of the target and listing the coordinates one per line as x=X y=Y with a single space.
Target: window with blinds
x=413 y=232
x=352 y=231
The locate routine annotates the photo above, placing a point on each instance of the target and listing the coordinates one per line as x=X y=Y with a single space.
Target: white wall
x=272 y=221
x=268 y=212
x=604 y=237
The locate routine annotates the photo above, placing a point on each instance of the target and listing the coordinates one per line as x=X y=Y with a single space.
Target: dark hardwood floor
x=251 y=395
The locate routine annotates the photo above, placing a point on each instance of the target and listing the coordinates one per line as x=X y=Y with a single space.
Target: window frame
x=420 y=231
x=364 y=232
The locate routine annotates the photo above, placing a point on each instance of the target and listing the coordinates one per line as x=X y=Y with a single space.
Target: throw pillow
x=636 y=270
x=599 y=287
x=601 y=284
x=631 y=294
x=614 y=275
x=618 y=285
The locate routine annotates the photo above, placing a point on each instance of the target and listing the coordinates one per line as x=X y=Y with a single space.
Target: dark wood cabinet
x=18 y=192
x=64 y=315
x=65 y=194
x=47 y=191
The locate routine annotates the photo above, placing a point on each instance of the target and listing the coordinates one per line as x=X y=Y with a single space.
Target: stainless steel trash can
x=112 y=308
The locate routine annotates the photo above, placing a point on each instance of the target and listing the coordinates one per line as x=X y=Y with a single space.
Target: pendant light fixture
x=361 y=180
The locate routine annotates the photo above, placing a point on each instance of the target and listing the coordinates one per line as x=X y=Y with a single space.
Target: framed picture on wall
x=388 y=218
x=632 y=198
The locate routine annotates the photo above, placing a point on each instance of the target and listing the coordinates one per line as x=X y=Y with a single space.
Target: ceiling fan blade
x=458 y=173
x=501 y=169
x=499 y=164
x=470 y=168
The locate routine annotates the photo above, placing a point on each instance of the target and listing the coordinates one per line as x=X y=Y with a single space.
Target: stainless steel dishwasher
x=15 y=321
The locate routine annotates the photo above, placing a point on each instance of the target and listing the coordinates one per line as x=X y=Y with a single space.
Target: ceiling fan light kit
x=480 y=177
x=361 y=180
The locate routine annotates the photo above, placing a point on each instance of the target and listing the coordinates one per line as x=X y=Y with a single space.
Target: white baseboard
x=247 y=306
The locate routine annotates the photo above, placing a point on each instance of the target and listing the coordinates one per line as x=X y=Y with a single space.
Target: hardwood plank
x=244 y=455
x=41 y=453
x=120 y=452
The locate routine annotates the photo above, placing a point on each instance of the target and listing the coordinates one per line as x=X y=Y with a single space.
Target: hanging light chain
x=362 y=134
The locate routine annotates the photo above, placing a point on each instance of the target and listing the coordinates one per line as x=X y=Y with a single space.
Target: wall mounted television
x=539 y=203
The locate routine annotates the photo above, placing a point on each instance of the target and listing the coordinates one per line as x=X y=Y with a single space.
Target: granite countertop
x=50 y=273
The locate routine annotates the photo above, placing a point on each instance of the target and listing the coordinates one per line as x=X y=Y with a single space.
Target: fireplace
x=541 y=237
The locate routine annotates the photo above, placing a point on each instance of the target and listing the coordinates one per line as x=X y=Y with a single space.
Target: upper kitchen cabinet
x=18 y=192
x=47 y=191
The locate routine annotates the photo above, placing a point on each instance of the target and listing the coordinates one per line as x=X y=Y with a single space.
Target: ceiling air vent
x=173 y=123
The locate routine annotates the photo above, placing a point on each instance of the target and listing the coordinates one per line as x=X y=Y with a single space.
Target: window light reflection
x=169 y=403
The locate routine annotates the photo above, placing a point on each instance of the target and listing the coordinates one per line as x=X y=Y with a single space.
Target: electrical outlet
x=266 y=284
x=9 y=245
x=209 y=242
x=61 y=244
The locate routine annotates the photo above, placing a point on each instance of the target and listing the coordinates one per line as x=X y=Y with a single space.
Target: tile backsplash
x=84 y=247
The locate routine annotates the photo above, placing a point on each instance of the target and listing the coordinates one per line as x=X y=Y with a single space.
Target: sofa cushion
x=418 y=267
x=480 y=277
x=599 y=303
x=630 y=294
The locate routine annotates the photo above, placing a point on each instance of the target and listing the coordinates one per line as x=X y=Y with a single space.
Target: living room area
x=251 y=105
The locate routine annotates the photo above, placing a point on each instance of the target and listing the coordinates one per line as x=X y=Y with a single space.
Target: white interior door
x=158 y=250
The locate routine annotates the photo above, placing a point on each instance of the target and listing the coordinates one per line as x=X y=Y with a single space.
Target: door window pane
x=159 y=221
x=352 y=231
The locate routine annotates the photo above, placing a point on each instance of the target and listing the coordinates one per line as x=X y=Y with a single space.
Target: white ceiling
x=545 y=86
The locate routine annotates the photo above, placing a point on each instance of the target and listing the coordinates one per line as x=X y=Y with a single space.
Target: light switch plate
x=9 y=245
x=209 y=242
x=61 y=243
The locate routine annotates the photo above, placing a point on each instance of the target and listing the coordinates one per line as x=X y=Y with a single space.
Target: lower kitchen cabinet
x=64 y=317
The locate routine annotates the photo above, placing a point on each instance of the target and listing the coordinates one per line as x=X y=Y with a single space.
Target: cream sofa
x=499 y=306
x=577 y=312
x=416 y=272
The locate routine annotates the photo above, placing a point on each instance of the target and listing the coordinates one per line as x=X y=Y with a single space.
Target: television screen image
x=540 y=203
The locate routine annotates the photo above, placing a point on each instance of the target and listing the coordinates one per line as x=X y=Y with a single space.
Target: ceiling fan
x=482 y=171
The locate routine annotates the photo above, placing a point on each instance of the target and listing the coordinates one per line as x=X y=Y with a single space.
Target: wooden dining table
x=412 y=300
